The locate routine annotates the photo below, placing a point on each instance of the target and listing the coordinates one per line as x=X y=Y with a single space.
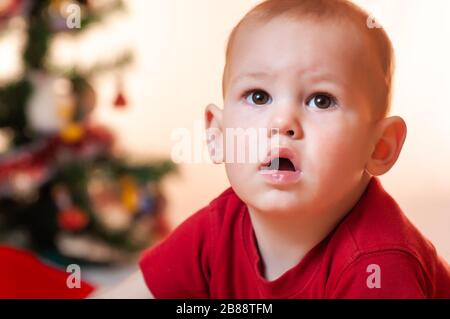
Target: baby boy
x=311 y=219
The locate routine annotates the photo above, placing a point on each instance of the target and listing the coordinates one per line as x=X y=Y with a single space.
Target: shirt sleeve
x=179 y=267
x=382 y=275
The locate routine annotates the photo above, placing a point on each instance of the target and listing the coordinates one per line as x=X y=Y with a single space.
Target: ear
x=214 y=133
x=391 y=134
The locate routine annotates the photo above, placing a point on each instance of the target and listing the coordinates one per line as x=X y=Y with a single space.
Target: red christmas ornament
x=120 y=101
x=72 y=219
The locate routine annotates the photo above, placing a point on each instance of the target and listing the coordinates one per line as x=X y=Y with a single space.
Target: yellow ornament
x=72 y=133
x=129 y=196
x=66 y=110
x=56 y=5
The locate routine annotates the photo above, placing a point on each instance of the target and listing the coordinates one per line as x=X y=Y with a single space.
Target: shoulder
x=382 y=274
x=193 y=242
x=376 y=232
x=377 y=223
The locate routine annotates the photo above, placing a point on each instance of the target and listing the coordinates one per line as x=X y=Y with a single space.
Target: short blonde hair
x=336 y=10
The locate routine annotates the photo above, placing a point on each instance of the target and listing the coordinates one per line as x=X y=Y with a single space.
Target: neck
x=284 y=239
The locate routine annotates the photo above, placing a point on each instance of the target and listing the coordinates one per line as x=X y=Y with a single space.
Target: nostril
x=277 y=131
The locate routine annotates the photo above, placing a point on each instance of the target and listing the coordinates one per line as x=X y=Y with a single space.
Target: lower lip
x=280 y=177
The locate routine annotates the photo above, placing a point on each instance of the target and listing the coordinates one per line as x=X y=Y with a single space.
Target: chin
x=277 y=202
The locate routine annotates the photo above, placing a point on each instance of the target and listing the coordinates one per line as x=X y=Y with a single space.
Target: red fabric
x=213 y=254
x=23 y=276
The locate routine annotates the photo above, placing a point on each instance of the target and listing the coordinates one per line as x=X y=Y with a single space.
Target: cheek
x=339 y=148
x=232 y=171
x=241 y=115
x=245 y=136
x=239 y=176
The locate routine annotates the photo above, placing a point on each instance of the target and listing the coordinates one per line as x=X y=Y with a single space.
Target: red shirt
x=374 y=252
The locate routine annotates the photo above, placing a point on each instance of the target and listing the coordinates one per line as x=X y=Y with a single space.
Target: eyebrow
x=325 y=78
x=251 y=75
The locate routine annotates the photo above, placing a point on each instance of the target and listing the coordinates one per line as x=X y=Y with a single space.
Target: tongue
x=281 y=164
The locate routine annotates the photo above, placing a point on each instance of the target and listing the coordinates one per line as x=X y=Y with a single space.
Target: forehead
x=307 y=48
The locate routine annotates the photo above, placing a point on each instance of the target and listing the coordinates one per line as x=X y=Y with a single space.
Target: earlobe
x=389 y=143
x=214 y=135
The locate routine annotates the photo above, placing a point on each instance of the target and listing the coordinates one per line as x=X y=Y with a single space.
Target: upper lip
x=281 y=152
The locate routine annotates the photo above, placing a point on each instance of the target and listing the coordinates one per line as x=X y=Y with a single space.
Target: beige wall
x=180 y=53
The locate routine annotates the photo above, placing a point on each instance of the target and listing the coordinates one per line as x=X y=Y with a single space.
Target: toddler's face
x=314 y=84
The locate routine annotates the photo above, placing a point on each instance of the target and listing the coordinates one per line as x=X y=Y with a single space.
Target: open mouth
x=279 y=164
x=282 y=159
x=281 y=167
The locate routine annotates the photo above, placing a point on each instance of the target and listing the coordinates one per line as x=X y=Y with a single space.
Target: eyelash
x=334 y=100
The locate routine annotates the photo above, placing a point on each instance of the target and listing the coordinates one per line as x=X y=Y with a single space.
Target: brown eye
x=258 y=97
x=321 y=101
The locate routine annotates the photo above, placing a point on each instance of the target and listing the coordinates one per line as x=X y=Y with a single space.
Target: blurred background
x=85 y=165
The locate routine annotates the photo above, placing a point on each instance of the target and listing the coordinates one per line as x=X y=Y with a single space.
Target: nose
x=285 y=121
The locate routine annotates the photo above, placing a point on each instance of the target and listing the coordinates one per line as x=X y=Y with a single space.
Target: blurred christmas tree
x=63 y=191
